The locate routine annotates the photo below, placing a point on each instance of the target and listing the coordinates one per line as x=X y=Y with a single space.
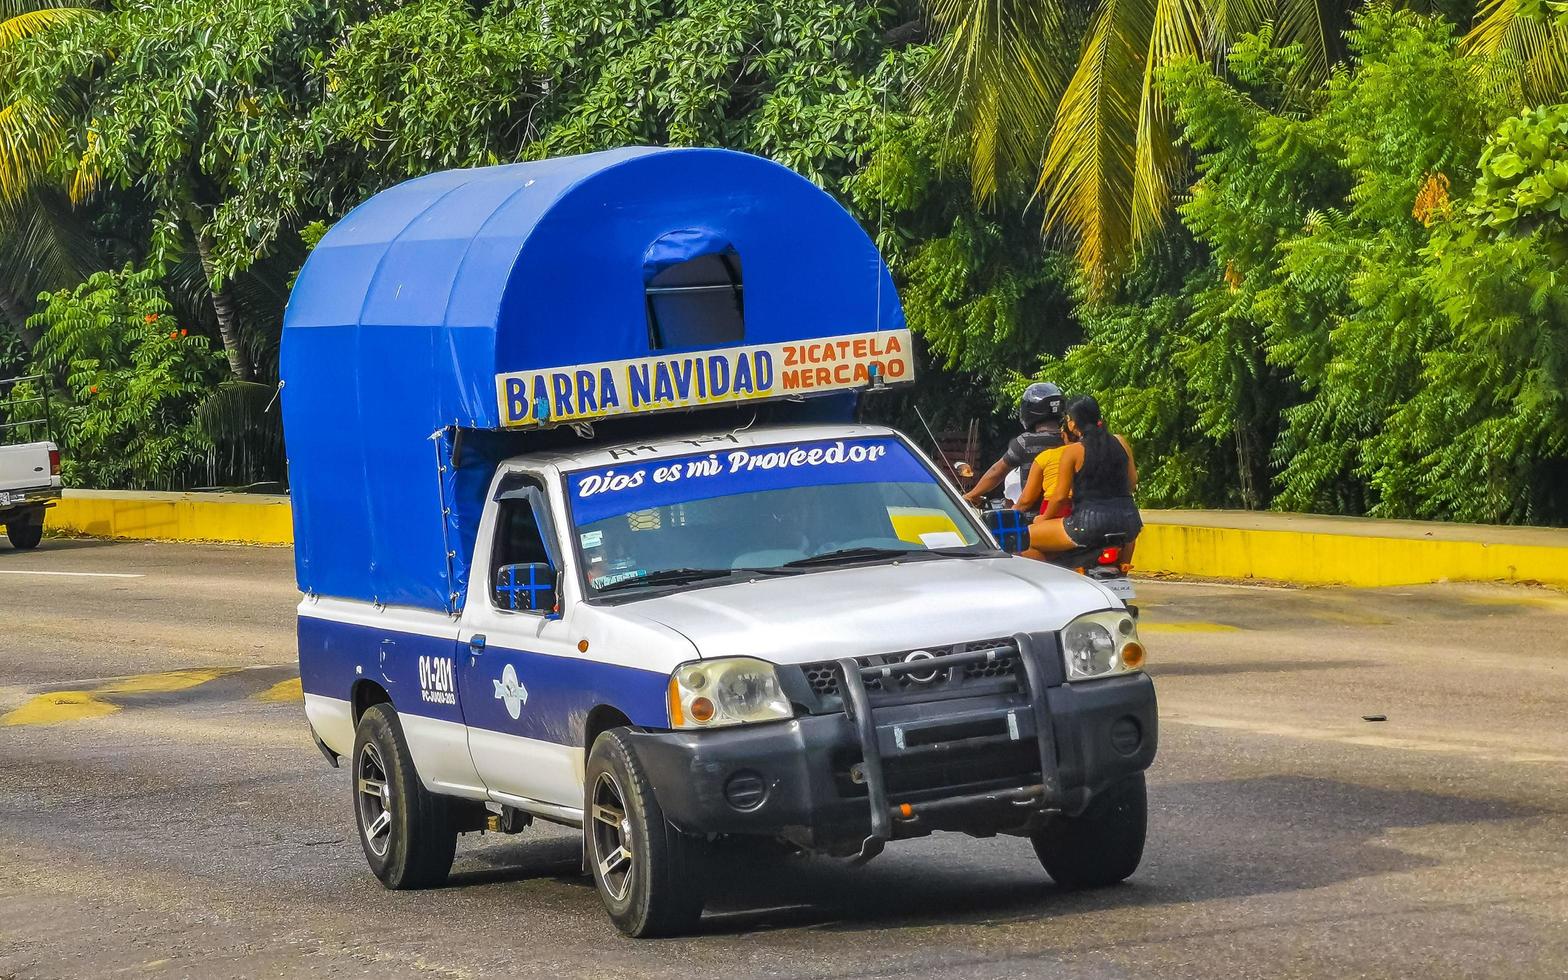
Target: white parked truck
x=29 y=472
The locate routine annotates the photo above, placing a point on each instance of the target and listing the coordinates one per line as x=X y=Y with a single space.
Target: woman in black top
x=1098 y=476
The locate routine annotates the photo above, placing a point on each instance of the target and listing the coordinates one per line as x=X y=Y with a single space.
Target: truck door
x=518 y=669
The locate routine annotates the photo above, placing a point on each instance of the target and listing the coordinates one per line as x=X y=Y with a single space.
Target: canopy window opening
x=697 y=303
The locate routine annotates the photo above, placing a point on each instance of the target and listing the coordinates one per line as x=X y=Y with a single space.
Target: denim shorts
x=1091 y=521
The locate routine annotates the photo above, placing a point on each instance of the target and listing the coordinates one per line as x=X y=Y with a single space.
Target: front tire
x=648 y=874
x=1101 y=846
x=25 y=534
x=407 y=831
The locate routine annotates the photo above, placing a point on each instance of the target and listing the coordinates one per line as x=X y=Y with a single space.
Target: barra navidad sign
x=581 y=392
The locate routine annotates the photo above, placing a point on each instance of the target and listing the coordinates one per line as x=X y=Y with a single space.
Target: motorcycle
x=1102 y=563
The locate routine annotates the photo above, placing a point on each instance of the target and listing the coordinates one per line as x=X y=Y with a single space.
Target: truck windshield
x=782 y=509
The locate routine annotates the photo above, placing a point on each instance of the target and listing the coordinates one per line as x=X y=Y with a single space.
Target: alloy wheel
x=612 y=837
x=375 y=800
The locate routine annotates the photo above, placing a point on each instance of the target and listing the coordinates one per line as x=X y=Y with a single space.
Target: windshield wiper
x=847 y=555
x=666 y=576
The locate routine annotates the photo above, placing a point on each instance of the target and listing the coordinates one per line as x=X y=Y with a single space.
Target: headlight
x=1100 y=645
x=731 y=691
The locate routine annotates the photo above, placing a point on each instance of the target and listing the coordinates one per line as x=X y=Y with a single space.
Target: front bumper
x=978 y=772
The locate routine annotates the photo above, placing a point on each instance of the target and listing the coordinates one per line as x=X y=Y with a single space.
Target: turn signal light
x=701 y=709
x=1132 y=655
x=677 y=716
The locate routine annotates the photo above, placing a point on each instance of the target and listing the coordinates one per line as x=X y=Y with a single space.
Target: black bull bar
x=1044 y=795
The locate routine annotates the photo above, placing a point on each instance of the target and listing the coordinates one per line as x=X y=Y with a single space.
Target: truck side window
x=518 y=540
x=697 y=303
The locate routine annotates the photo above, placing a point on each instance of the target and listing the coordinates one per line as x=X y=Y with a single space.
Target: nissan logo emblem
x=927 y=677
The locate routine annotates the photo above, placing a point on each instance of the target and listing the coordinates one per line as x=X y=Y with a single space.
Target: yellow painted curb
x=1325 y=558
x=230 y=517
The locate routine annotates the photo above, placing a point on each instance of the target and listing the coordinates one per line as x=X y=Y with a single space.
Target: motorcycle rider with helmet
x=1040 y=412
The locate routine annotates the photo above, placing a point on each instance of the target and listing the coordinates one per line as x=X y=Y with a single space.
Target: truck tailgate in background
x=25 y=467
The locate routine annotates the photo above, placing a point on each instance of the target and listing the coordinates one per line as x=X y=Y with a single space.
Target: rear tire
x=24 y=533
x=407 y=831
x=648 y=874
x=1101 y=846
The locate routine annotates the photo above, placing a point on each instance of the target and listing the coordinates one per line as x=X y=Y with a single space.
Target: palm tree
x=1530 y=47
x=1090 y=129
x=41 y=245
x=30 y=130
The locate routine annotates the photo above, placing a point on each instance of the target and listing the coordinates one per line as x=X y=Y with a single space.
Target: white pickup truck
x=588 y=532
x=29 y=484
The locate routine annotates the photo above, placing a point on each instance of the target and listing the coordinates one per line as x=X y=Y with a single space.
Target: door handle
x=476 y=644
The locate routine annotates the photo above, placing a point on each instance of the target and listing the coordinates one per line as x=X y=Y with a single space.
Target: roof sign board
x=759 y=372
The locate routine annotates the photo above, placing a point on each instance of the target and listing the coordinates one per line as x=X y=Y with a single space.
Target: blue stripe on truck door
x=561 y=691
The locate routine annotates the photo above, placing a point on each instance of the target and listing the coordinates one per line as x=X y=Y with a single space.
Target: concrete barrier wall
x=1299 y=548
x=1314 y=550
x=231 y=517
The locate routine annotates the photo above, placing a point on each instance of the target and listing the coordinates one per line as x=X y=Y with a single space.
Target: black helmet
x=1042 y=402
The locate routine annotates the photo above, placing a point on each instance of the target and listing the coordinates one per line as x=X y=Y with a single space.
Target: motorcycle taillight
x=1110 y=556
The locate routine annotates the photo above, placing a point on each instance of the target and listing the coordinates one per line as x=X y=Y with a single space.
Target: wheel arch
x=601 y=719
x=362 y=695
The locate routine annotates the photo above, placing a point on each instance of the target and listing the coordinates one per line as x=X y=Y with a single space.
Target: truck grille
x=1000 y=674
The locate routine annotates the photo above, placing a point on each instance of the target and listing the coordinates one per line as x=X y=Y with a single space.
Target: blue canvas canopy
x=412 y=305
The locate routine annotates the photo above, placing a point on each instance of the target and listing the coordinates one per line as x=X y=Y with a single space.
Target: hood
x=851 y=612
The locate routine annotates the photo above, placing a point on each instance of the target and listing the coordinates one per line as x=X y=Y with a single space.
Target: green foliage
x=1354 y=339
x=1524 y=172
x=184 y=91
x=131 y=379
x=979 y=290
x=30 y=127
x=1488 y=430
x=1186 y=383
x=976 y=285
x=435 y=84
x=1361 y=310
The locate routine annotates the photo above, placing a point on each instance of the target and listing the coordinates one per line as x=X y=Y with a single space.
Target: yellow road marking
x=288 y=690
x=1187 y=628
x=59 y=706
x=164 y=682
x=54 y=707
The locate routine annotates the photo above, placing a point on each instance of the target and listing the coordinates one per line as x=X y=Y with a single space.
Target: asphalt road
x=167 y=815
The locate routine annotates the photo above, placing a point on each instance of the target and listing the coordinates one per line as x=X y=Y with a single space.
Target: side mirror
x=529 y=587
x=1009 y=527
